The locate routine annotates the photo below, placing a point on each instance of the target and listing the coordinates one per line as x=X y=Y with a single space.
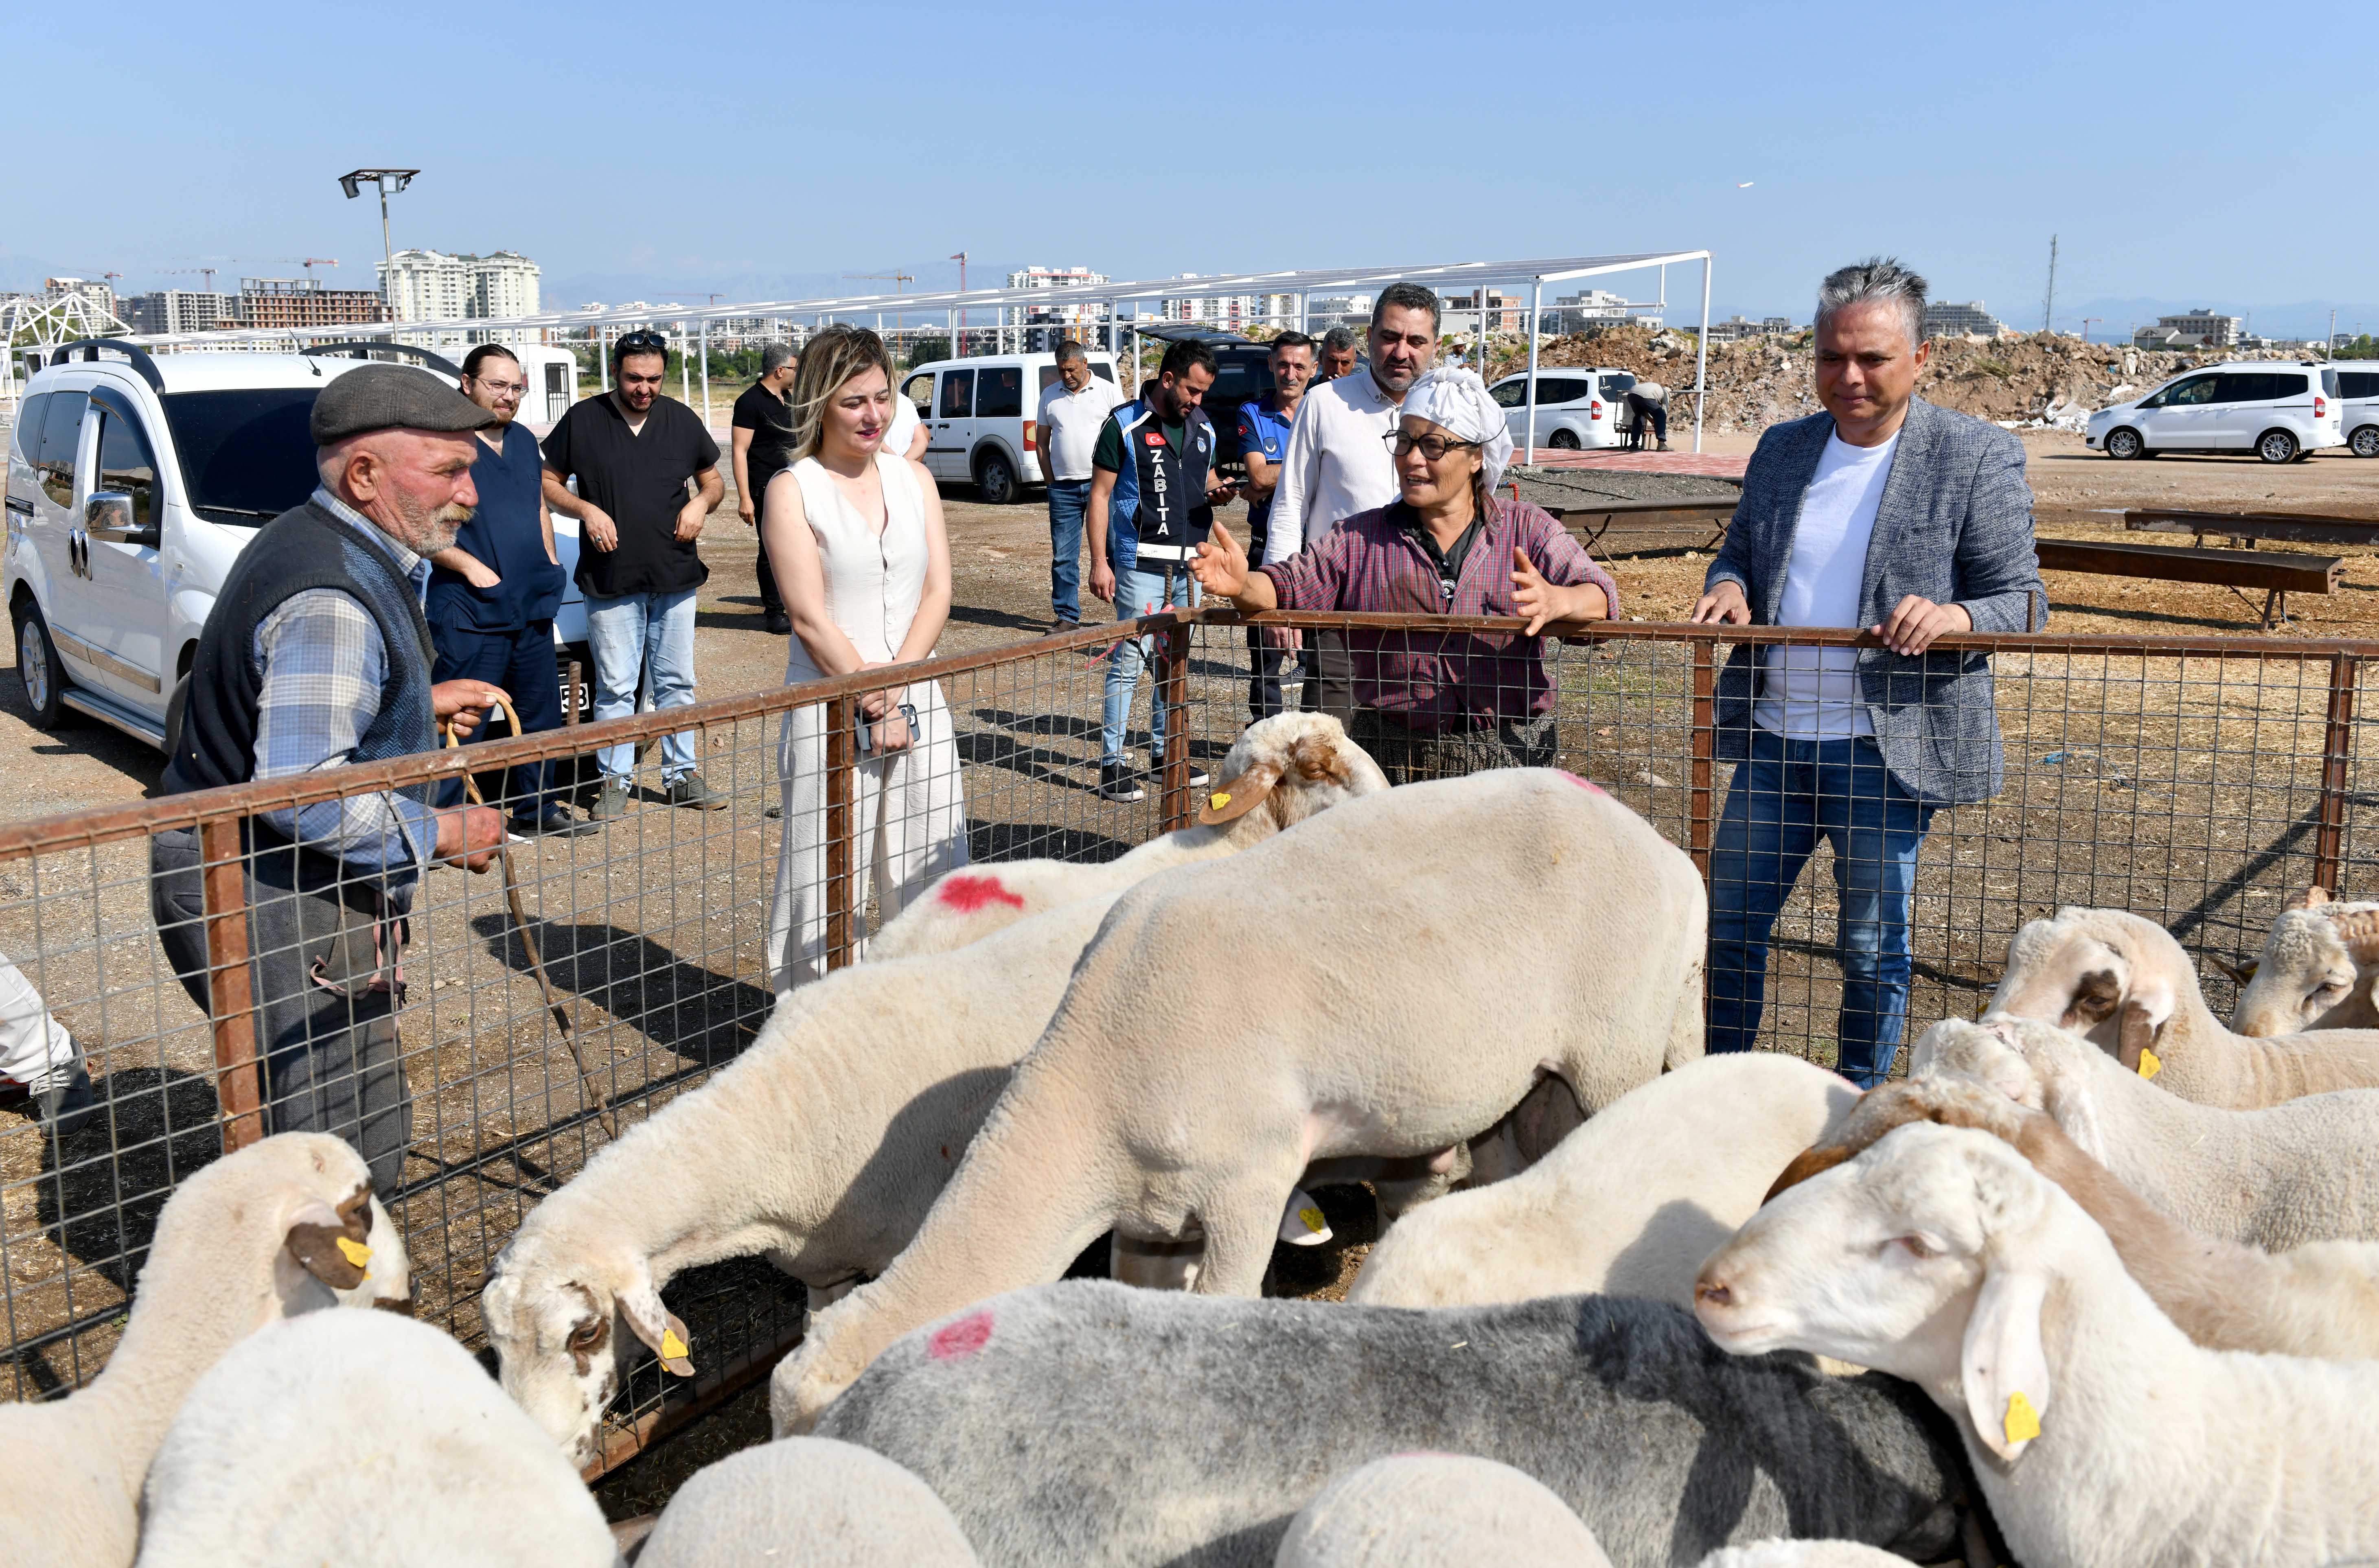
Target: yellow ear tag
x=2022 y=1422
x=1219 y=802
x=2150 y=1062
x=673 y=1347
x=354 y=1252
x=1312 y=1216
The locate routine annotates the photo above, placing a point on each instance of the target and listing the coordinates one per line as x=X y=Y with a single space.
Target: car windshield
x=246 y=454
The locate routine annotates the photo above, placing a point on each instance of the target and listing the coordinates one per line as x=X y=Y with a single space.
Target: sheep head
x=2316 y=971
x=1293 y=764
x=2107 y=975
x=553 y=1321
x=1926 y=1256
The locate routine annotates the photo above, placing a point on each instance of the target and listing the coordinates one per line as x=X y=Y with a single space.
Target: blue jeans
x=1785 y=797
x=1138 y=592
x=654 y=633
x=1067 y=498
x=521 y=663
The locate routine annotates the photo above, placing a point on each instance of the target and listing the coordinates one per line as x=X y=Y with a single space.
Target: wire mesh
x=2199 y=784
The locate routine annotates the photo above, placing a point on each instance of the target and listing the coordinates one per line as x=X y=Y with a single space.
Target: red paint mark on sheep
x=1589 y=785
x=968 y=894
x=955 y=1341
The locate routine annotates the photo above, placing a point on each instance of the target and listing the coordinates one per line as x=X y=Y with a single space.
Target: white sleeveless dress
x=909 y=817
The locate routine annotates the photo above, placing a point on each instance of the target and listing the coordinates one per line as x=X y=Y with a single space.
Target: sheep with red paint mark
x=1281 y=771
x=1454 y=940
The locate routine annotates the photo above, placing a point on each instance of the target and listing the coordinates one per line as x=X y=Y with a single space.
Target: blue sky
x=761 y=151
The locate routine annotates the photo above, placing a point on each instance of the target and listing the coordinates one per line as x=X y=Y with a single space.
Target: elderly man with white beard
x=1438 y=705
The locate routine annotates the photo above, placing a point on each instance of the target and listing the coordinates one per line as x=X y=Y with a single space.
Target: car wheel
x=37 y=667
x=996 y=477
x=2276 y=446
x=2365 y=442
x=2125 y=444
x=1563 y=440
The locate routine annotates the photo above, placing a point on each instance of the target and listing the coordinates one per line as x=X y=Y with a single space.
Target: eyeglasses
x=501 y=389
x=1433 y=448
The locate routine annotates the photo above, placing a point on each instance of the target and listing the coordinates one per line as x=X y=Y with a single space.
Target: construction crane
x=895 y=279
x=185 y=272
x=310 y=262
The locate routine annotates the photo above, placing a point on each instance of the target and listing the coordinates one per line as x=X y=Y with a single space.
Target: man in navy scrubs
x=492 y=596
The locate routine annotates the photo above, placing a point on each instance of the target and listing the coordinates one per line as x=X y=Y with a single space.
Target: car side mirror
x=108 y=515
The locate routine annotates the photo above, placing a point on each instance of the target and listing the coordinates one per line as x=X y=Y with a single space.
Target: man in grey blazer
x=1883 y=513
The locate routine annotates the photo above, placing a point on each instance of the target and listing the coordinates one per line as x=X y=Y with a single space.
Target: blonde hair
x=828 y=360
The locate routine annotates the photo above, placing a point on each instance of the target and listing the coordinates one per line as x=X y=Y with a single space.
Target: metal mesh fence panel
x=533 y=1009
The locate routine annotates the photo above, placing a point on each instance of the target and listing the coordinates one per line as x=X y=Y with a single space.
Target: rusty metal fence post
x=2337 y=755
x=1173 y=691
x=1704 y=743
x=841 y=776
x=231 y=990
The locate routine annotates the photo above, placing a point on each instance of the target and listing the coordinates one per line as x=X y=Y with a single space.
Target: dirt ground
x=656 y=946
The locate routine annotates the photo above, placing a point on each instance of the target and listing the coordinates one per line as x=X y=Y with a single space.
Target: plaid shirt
x=1450 y=681
x=320 y=663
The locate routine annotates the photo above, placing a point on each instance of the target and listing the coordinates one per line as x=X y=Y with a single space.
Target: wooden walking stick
x=554 y=1004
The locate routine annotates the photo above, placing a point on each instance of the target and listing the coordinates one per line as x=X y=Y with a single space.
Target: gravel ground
x=657 y=950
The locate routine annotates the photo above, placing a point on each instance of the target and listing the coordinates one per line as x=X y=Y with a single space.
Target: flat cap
x=391 y=397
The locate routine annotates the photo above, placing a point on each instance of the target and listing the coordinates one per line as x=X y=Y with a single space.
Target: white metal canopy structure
x=1305 y=285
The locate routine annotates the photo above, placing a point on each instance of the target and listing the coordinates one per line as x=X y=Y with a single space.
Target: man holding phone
x=1152 y=497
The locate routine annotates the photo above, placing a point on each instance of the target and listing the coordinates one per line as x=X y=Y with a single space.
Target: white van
x=2277 y=410
x=2358 y=391
x=1575 y=408
x=134 y=482
x=981 y=416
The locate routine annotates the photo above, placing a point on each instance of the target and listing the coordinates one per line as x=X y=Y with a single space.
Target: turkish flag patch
x=1152 y=438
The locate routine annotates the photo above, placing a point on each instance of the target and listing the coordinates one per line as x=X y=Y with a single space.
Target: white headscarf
x=1458 y=399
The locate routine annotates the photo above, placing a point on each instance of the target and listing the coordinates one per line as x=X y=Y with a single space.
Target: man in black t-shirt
x=762 y=439
x=633 y=452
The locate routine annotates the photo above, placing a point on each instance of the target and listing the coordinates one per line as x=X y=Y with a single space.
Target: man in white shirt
x=1337 y=465
x=1073 y=408
x=1886 y=514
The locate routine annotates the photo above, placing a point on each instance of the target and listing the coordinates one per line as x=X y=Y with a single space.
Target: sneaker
x=66 y=1108
x=555 y=824
x=1117 y=783
x=692 y=793
x=1062 y=625
x=1198 y=778
x=611 y=802
x=780 y=624
x=774 y=812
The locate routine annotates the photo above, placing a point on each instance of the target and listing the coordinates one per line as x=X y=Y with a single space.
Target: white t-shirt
x=1335 y=465
x=1069 y=427
x=1812 y=694
x=903 y=428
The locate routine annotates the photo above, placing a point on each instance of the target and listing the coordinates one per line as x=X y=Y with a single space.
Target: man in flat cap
x=317 y=654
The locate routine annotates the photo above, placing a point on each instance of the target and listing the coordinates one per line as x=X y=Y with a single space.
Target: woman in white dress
x=856 y=539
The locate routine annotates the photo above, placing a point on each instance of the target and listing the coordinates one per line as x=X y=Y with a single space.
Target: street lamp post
x=389 y=181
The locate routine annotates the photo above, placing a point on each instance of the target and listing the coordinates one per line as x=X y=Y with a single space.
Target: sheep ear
x=1806 y=1164
x=331 y=1244
x=1234 y=798
x=2136 y=1036
x=2237 y=974
x=2312 y=898
x=657 y=1327
x=2002 y=1364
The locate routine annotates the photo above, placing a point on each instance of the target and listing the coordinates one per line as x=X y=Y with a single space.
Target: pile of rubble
x=2029 y=380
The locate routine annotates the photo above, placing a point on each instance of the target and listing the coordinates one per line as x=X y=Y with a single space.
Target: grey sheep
x=1090 y=1424
x=805 y=1503
x=1437 y=1510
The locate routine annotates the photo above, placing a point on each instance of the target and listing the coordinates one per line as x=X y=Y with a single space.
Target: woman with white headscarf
x=1436 y=704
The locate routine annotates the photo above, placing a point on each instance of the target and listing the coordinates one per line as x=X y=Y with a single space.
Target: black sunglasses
x=638 y=342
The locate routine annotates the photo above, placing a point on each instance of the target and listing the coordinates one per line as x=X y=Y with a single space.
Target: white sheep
x=2318 y=1299
x=1280 y=771
x=1629 y=1204
x=1437 y=1510
x=357 y=1438
x=1803 y=1554
x=2316 y=971
x=2100 y=1435
x=285 y=1227
x=2126 y=983
x=2305 y=1170
x=808 y=1502
x=1453 y=938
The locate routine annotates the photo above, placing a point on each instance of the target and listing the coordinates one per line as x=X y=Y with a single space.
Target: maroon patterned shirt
x=1442 y=680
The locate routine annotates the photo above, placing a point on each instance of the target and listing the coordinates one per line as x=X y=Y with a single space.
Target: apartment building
x=1944 y=318
x=433 y=285
x=304 y=302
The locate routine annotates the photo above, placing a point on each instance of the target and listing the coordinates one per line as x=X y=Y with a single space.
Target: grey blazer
x=1954 y=526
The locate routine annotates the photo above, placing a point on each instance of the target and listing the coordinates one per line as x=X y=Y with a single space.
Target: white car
x=134 y=482
x=982 y=417
x=1575 y=408
x=2359 y=391
x=2275 y=409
